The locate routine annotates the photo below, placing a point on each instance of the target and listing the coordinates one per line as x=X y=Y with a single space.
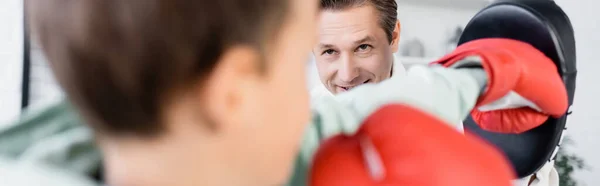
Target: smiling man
x=357 y=42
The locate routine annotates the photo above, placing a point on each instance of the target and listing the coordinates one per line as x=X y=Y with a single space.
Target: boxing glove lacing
x=372 y=159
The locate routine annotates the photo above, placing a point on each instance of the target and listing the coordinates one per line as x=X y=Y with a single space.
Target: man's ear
x=396 y=37
x=236 y=70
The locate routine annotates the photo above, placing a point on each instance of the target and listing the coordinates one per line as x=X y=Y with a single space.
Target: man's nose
x=348 y=70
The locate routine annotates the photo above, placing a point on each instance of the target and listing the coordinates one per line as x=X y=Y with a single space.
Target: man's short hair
x=122 y=61
x=388 y=11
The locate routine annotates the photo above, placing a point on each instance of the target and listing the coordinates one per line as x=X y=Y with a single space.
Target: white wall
x=11 y=58
x=584 y=126
x=431 y=24
x=43 y=86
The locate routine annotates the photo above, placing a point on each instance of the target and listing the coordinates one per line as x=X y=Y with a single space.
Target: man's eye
x=363 y=48
x=328 y=52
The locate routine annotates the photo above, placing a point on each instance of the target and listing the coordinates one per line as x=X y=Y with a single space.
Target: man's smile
x=344 y=88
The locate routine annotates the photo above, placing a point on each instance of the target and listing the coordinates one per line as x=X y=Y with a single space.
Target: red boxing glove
x=400 y=145
x=524 y=86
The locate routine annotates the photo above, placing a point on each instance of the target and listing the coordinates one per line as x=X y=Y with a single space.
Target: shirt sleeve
x=17 y=173
x=546 y=176
x=53 y=135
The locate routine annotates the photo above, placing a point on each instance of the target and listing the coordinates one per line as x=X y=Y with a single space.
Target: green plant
x=567 y=163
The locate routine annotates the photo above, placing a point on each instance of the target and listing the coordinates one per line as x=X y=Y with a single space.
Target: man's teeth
x=348 y=88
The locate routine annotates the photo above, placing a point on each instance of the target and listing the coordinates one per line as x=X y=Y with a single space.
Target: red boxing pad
x=400 y=145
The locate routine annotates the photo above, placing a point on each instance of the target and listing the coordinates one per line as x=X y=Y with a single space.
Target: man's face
x=353 y=48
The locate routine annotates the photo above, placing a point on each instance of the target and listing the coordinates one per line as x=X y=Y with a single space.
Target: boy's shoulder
x=35 y=124
x=53 y=135
x=34 y=174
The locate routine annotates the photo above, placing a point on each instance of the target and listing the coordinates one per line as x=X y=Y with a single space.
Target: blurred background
x=430 y=29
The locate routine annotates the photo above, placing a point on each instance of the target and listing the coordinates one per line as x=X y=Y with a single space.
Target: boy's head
x=185 y=92
x=357 y=39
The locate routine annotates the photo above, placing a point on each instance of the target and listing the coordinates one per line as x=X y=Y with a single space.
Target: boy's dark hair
x=121 y=61
x=388 y=11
